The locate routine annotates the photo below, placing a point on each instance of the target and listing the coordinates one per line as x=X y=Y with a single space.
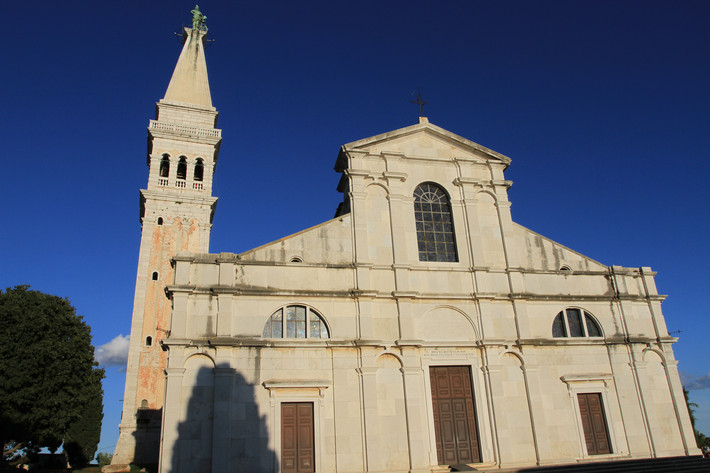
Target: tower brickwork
x=176 y=211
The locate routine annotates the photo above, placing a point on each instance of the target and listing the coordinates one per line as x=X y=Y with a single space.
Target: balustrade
x=180 y=184
x=185 y=129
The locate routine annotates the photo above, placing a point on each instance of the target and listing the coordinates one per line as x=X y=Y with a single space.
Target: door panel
x=596 y=434
x=297 y=448
x=454 y=415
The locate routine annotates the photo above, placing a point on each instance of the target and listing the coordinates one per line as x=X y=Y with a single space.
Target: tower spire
x=176 y=211
x=189 y=83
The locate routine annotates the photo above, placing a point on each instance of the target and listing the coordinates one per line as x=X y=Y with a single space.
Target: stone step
x=693 y=464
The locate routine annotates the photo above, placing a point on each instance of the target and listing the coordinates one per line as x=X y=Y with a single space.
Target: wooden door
x=596 y=434
x=297 y=450
x=454 y=415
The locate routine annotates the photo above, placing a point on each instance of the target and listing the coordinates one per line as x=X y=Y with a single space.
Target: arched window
x=160 y=220
x=435 y=227
x=148 y=341
x=165 y=166
x=575 y=323
x=295 y=321
x=154 y=277
x=199 y=169
x=182 y=168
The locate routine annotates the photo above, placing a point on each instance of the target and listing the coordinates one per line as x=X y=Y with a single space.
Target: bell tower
x=176 y=211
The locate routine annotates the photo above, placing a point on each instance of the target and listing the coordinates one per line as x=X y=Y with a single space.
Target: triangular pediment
x=425 y=140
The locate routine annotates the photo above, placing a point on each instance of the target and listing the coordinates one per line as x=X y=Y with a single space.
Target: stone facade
x=418 y=329
x=393 y=319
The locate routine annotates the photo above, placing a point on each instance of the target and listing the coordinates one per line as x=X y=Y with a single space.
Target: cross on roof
x=420 y=101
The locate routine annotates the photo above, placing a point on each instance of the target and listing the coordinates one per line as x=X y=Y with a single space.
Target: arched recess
x=491 y=250
x=194 y=442
x=660 y=408
x=517 y=443
x=446 y=323
x=648 y=355
x=377 y=220
x=391 y=414
x=383 y=359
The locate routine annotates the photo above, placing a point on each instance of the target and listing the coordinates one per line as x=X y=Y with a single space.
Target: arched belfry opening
x=199 y=170
x=182 y=168
x=165 y=166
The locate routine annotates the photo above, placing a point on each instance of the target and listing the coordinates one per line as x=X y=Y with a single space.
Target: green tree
x=700 y=438
x=83 y=435
x=104 y=458
x=50 y=385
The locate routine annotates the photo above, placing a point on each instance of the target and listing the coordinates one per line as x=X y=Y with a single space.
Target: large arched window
x=575 y=323
x=295 y=321
x=435 y=227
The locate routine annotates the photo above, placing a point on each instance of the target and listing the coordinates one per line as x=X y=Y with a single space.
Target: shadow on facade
x=219 y=427
x=147 y=436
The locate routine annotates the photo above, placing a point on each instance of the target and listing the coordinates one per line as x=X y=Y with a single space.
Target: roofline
x=426 y=126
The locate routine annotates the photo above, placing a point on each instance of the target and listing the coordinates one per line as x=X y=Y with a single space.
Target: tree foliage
x=50 y=385
x=700 y=438
x=103 y=458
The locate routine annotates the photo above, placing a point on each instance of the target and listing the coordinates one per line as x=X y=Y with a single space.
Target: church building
x=419 y=330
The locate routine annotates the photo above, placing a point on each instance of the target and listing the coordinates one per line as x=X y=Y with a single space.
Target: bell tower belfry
x=176 y=211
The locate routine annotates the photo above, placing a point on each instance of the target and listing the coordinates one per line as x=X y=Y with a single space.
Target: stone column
x=414 y=399
x=471 y=229
x=222 y=435
x=224 y=314
x=495 y=387
x=537 y=414
x=639 y=368
x=171 y=418
x=686 y=428
x=406 y=323
x=373 y=445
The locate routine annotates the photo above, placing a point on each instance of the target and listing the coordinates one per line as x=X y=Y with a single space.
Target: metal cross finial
x=420 y=101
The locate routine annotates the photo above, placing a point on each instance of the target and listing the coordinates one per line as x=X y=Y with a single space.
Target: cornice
x=175 y=196
x=240 y=290
x=160 y=129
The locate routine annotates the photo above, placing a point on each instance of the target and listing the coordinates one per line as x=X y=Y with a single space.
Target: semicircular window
x=295 y=321
x=435 y=227
x=575 y=323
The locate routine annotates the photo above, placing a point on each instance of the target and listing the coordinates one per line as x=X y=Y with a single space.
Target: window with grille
x=435 y=227
x=295 y=321
x=575 y=323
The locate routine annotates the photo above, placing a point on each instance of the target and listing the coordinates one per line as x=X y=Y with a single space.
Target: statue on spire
x=198 y=19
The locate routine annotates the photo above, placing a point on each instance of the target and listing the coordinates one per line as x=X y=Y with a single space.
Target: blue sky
x=602 y=106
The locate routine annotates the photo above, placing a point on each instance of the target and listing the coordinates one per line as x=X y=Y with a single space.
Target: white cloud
x=693 y=382
x=113 y=353
x=685 y=378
